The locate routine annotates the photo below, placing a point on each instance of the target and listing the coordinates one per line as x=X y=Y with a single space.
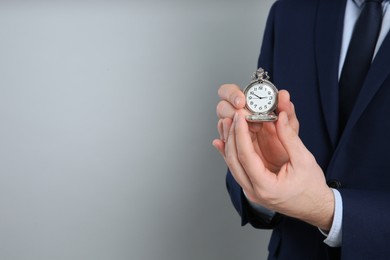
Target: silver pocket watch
x=261 y=98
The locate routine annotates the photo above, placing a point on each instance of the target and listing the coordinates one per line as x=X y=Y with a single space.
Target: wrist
x=325 y=218
x=322 y=214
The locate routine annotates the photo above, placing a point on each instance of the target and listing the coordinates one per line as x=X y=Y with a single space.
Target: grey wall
x=107 y=113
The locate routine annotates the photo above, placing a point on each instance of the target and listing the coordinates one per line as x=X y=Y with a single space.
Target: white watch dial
x=261 y=98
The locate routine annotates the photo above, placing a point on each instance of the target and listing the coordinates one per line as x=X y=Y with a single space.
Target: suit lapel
x=379 y=71
x=329 y=31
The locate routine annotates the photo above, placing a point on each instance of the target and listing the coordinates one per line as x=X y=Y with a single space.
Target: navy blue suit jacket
x=300 y=50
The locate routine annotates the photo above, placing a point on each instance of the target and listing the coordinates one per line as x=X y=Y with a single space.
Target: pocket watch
x=261 y=98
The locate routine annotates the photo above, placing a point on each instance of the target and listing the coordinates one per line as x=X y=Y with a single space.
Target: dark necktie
x=359 y=56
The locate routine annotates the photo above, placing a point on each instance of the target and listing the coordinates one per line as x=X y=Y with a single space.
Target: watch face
x=261 y=97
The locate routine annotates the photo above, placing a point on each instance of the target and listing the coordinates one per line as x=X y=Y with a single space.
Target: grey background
x=107 y=113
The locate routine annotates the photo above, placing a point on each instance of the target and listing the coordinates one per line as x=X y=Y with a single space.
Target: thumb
x=290 y=140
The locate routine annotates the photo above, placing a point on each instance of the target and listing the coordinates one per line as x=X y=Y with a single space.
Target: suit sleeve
x=243 y=208
x=366 y=221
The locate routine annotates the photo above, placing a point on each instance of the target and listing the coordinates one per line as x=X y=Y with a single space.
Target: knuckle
x=224 y=90
x=263 y=195
x=308 y=159
x=232 y=98
x=220 y=108
x=221 y=90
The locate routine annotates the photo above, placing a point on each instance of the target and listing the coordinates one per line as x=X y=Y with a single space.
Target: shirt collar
x=359 y=3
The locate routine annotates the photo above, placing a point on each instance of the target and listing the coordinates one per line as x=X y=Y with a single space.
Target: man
x=319 y=175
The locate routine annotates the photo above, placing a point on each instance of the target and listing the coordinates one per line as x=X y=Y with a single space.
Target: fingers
x=227 y=124
x=220 y=129
x=285 y=104
x=232 y=160
x=224 y=128
x=225 y=109
x=283 y=100
x=249 y=159
x=232 y=100
x=220 y=146
x=233 y=94
x=290 y=140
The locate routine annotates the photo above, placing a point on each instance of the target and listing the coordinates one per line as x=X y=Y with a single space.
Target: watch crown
x=260 y=74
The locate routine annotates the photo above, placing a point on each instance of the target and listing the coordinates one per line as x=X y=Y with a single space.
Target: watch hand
x=258 y=96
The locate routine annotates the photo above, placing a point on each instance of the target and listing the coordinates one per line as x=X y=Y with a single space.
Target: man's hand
x=271 y=163
x=263 y=135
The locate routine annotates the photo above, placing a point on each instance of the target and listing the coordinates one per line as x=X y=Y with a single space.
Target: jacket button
x=335 y=184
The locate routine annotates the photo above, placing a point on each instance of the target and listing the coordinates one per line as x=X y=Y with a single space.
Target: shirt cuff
x=334 y=237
